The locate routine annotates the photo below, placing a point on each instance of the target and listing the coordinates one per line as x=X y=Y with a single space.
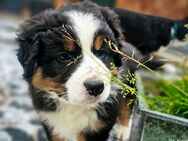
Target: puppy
x=67 y=55
x=147 y=33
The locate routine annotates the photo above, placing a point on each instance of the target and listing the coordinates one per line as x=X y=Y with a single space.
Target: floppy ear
x=27 y=55
x=113 y=22
x=149 y=33
x=128 y=26
x=29 y=42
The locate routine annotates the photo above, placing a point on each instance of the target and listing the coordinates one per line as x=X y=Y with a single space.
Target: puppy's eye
x=64 y=57
x=101 y=53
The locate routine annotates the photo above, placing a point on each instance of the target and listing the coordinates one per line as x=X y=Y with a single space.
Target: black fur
x=42 y=102
x=148 y=33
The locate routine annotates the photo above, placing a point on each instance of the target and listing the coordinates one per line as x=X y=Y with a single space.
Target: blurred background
x=166 y=8
x=18 y=120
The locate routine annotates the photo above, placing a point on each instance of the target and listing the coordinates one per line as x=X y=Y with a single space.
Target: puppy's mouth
x=90 y=99
x=84 y=99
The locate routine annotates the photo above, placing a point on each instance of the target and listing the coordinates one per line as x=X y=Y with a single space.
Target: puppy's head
x=64 y=53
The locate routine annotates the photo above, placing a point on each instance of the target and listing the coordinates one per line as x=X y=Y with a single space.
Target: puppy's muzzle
x=94 y=87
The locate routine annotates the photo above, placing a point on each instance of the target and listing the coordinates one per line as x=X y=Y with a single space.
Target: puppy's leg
x=121 y=130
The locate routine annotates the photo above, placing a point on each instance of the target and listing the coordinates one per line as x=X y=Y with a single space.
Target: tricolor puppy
x=66 y=56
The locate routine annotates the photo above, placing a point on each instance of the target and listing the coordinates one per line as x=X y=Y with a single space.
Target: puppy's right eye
x=64 y=57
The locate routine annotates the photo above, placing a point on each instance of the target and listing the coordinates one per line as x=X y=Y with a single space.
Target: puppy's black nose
x=94 y=87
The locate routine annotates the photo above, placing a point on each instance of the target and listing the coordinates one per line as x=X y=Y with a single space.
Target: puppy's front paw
x=120 y=132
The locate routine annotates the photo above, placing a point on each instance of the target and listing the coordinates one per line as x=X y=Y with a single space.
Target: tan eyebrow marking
x=69 y=44
x=98 y=42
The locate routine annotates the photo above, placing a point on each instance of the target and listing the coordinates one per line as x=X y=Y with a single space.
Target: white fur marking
x=85 y=25
x=70 y=120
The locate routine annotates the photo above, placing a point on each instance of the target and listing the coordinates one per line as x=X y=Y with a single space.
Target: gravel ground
x=18 y=120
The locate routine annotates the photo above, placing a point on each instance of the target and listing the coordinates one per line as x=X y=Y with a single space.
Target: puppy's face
x=67 y=55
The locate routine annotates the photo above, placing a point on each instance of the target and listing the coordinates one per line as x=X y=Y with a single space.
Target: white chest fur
x=70 y=120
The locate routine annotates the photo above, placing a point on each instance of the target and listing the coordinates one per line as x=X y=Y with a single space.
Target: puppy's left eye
x=101 y=53
x=64 y=57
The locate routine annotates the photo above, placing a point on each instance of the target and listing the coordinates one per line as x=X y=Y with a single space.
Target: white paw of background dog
x=120 y=132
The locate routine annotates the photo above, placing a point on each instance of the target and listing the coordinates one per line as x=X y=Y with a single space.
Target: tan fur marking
x=81 y=137
x=124 y=114
x=69 y=44
x=45 y=83
x=98 y=42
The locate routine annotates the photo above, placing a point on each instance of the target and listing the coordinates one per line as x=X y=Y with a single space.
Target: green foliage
x=169 y=97
x=172 y=98
x=130 y=78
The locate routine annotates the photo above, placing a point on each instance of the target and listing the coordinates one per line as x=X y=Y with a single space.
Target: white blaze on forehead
x=85 y=25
